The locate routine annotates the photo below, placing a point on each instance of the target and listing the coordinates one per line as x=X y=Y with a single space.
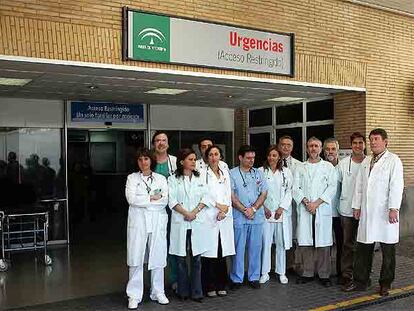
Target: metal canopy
x=97 y=82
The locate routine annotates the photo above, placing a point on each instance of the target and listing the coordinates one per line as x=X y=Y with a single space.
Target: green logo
x=151 y=37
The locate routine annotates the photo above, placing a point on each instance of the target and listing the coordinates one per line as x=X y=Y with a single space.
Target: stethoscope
x=250 y=172
x=170 y=171
x=148 y=188
x=284 y=180
x=350 y=164
x=221 y=174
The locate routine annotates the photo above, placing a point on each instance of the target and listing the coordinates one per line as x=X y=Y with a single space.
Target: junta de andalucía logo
x=152 y=39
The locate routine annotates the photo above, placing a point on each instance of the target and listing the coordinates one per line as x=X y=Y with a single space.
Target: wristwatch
x=254 y=210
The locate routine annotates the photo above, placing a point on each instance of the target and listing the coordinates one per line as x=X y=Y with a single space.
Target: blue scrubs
x=247 y=186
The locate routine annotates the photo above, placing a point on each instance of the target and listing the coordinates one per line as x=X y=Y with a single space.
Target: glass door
x=32 y=167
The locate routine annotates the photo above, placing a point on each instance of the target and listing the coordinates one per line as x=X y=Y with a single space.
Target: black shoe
x=304 y=279
x=353 y=287
x=181 y=298
x=326 y=282
x=199 y=299
x=254 y=284
x=235 y=286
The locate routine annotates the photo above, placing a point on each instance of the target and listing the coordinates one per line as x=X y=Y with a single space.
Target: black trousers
x=350 y=230
x=363 y=264
x=214 y=274
x=339 y=239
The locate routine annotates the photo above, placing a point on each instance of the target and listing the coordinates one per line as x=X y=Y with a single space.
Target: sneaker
x=222 y=293
x=212 y=294
x=160 y=298
x=283 y=279
x=132 y=304
x=264 y=278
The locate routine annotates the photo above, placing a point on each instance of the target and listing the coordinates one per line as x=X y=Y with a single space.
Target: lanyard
x=148 y=188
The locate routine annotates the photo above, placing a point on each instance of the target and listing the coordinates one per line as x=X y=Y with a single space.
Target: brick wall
x=240 y=132
x=350 y=116
x=337 y=42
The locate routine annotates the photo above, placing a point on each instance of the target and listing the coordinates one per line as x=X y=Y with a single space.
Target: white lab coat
x=292 y=164
x=188 y=193
x=219 y=191
x=146 y=217
x=347 y=173
x=201 y=165
x=318 y=182
x=336 y=198
x=375 y=194
x=282 y=183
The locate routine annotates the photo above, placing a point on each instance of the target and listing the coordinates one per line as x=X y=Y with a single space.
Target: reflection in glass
x=32 y=171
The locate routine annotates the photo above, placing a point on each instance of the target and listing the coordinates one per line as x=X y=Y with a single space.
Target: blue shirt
x=247 y=186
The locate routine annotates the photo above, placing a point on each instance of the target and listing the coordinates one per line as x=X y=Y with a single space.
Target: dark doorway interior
x=98 y=163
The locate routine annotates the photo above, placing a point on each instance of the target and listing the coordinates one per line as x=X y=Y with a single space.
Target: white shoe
x=160 y=298
x=132 y=303
x=264 y=278
x=283 y=279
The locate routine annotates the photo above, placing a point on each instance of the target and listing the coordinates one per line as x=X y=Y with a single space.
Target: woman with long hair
x=278 y=212
x=147 y=195
x=187 y=200
x=219 y=221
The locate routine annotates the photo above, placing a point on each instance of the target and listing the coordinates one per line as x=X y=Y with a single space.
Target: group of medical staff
x=194 y=213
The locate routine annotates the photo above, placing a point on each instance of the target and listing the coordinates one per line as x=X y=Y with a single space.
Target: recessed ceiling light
x=14 y=81
x=92 y=87
x=164 y=91
x=284 y=99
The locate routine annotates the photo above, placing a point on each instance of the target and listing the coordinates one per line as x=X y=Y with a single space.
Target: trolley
x=24 y=229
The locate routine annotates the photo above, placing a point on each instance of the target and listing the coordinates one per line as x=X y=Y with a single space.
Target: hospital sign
x=165 y=39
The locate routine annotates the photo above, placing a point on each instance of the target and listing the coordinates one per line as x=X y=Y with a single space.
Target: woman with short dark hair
x=147 y=195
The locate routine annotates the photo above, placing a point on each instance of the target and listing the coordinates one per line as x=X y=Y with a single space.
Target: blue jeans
x=186 y=282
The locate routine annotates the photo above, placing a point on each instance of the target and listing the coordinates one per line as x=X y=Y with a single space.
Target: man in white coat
x=331 y=149
x=313 y=190
x=285 y=146
x=166 y=164
x=376 y=203
x=147 y=195
x=347 y=172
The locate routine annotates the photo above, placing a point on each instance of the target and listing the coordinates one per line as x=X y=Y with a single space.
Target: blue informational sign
x=99 y=112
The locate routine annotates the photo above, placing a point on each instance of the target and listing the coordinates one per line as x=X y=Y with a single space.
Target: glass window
x=260 y=117
x=320 y=131
x=260 y=142
x=296 y=134
x=320 y=110
x=289 y=114
x=32 y=170
x=190 y=139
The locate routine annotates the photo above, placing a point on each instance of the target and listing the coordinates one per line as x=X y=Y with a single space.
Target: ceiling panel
x=73 y=82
